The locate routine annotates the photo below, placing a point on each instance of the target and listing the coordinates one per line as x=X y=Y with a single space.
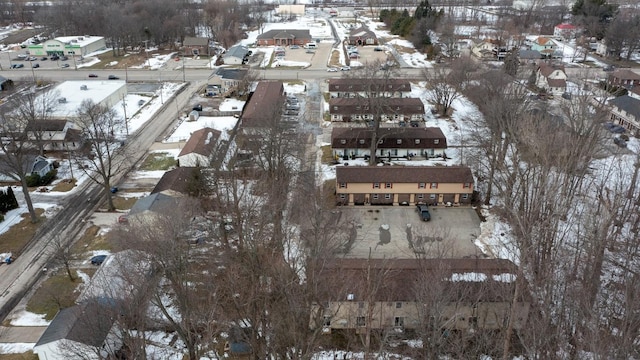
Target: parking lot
x=398 y=232
x=19 y=60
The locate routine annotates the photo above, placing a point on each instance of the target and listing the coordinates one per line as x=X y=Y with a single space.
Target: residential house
x=485 y=49
x=603 y=49
x=149 y=208
x=196 y=45
x=41 y=166
x=225 y=81
x=350 y=88
x=625 y=111
x=362 y=36
x=545 y=46
x=87 y=329
x=263 y=105
x=179 y=181
x=54 y=134
x=394 y=185
x=236 y=55
x=284 y=37
x=528 y=56
x=551 y=78
x=200 y=148
x=388 y=109
x=471 y=295
x=68 y=45
x=565 y=31
x=407 y=142
x=624 y=77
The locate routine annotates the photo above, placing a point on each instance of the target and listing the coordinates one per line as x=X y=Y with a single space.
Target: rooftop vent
x=84 y=87
x=62 y=100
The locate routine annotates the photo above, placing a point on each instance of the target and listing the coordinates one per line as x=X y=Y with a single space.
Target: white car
x=332 y=70
x=345 y=68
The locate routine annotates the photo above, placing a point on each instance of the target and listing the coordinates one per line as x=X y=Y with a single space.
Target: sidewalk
x=21 y=334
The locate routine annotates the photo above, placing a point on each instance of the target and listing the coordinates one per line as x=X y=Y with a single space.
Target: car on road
x=291 y=112
x=197 y=107
x=345 y=68
x=64 y=66
x=93 y=75
x=55 y=57
x=35 y=65
x=294 y=47
x=17 y=66
x=423 y=211
x=64 y=58
x=332 y=69
x=616 y=129
x=44 y=58
x=33 y=58
x=378 y=48
x=98 y=260
x=113 y=77
x=114 y=189
x=22 y=56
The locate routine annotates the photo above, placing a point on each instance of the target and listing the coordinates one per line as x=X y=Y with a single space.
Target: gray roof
x=230 y=73
x=627 y=103
x=39 y=164
x=288 y=33
x=529 y=54
x=160 y=203
x=87 y=323
x=237 y=51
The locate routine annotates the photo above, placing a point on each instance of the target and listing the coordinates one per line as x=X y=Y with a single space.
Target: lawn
x=55 y=293
x=65 y=185
x=335 y=58
x=124 y=203
x=14 y=239
x=29 y=355
x=327 y=156
x=90 y=241
x=158 y=161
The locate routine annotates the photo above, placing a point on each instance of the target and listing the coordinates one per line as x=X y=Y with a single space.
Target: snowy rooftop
x=97 y=91
x=79 y=40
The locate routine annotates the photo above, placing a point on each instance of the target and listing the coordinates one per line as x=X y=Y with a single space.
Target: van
x=311 y=46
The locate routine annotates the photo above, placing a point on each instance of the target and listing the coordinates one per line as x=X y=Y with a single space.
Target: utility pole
x=183 y=73
x=124 y=109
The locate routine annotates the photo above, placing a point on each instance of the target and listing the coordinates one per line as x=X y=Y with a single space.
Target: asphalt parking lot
x=398 y=232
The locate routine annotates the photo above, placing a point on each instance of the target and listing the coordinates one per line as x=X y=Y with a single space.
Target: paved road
x=16 y=279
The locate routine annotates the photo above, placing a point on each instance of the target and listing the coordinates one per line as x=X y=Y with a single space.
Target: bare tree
x=103 y=159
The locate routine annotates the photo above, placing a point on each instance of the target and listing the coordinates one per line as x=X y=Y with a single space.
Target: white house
x=484 y=50
x=199 y=149
x=552 y=78
x=235 y=55
x=565 y=31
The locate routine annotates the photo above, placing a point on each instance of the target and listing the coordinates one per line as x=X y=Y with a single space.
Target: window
x=335 y=108
x=465 y=196
x=399 y=141
x=387 y=196
x=358 y=107
x=343 y=196
x=420 y=196
x=398 y=305
x=380 y=142
x=376 y=185
x=360 y=321
x=436 y=141
x=467 y=185
x=327 y=321
x=375 y=196
x=398 y=321
x=388 y=186
x=434 y=185
x=343 y=185
x=432 y=196
x=361 y=141
x=343 y=141
x=417 y=141
x=421 y=185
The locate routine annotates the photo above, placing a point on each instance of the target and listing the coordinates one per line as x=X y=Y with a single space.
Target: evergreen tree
x=12 y=201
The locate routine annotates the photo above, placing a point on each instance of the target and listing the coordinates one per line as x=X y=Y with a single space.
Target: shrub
x=37 y=180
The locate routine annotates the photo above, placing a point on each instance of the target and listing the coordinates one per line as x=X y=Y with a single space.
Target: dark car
x=93 y=75
x=64 y=66
x=98 y=259
x=17 y=66
x=198 y=107
x=113 y=77
x=43 y=58
x=35 y=65
x=64 y=58
x=423 y=210
x=55 y=57
x=114 y=189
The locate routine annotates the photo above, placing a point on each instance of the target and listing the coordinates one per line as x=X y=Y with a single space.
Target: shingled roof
x=403 y=174
x=364 y=85
x=285 y=33
x=87 y=323
x=201 y=142
x=265 y=102
x=177 y=180
x=628 y=104
x=360 y=138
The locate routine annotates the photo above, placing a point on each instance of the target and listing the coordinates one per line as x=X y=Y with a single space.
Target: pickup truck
x=423 y=211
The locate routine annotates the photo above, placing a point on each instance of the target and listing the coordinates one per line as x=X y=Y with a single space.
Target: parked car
x=332 y=69
x=17 y=66
x=22 y=56
x=113 y=77
x=64 y=58
x=294 y=47
x=619 y=141
x=114 y=189
x=98 y=260
x=33 y=58
x=55 y=57
x=378 y=48
x=198 y=107
x=616 y=129
x=290 y=112
x=43 y=58
x=423 y=210
x=64 y=65
x=93 y=75
x=35 y=65
x=345 y=68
